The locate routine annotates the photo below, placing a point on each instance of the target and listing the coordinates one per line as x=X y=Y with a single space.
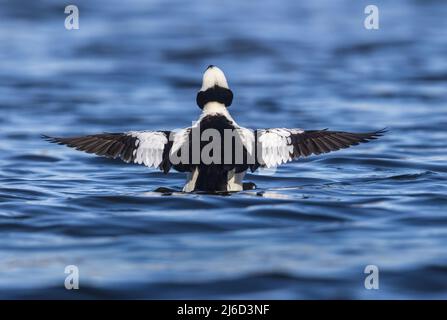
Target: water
x=307 y=232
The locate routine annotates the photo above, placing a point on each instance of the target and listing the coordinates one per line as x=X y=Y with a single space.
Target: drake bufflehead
x=213 y=164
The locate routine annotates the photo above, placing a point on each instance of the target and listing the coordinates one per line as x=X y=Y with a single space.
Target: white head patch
x=213 y=76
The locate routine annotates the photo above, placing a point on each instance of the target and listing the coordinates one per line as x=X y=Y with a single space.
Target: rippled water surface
x=306 y=232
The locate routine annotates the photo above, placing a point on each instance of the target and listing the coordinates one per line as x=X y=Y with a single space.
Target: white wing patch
x=276 y=146
x=247 y=138
x=149 y=147
x=180 y=138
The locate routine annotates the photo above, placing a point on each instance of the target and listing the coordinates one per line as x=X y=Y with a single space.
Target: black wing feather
x=324 y=141
x=111 y=145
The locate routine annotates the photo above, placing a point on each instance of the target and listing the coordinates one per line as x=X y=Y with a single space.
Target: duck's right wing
x=280 y=145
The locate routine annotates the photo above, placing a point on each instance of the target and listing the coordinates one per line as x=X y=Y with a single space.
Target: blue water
x=306 y=232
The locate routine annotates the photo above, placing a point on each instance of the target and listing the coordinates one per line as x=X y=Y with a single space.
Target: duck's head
x=214 y=88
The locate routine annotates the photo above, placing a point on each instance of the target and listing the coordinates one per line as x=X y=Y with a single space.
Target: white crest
x=213 y=76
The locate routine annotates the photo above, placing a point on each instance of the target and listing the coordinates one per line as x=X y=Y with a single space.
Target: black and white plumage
x=269 y=147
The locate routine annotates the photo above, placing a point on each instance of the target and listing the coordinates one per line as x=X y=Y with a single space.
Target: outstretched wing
x=150 y=148
x=281 y=145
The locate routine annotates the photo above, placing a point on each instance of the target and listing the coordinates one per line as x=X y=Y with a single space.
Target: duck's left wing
x=277 y=146
x=150 y=148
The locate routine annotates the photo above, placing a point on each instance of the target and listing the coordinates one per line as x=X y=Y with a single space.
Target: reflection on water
x=307 y=232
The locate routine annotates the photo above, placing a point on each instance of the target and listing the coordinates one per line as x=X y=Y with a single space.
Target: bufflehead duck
x=211 y=163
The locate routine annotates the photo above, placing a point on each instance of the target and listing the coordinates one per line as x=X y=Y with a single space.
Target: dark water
x=319 y=221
